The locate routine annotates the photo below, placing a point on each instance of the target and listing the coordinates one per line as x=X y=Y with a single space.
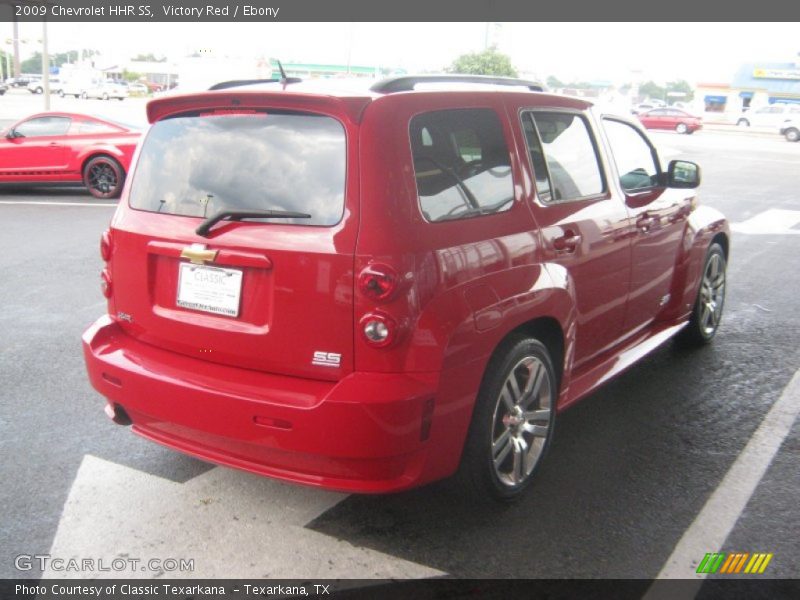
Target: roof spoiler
x=284 y=81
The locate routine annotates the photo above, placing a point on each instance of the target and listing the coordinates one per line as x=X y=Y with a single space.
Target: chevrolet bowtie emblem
x=198 y=254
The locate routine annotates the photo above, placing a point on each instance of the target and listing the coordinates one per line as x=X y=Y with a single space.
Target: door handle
x=646 y=222
x=567 y=242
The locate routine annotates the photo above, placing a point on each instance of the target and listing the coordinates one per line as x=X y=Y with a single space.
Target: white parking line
x=714 y=523
x=774 y=221
x=231 y=524
x=46 y=203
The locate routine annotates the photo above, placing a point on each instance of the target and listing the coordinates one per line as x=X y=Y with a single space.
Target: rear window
x=198 y=165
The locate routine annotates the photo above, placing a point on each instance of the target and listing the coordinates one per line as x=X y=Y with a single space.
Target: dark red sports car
x=671 y=118
x=58 y=147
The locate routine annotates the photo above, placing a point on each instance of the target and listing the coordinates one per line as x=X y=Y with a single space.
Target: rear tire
x=681 y=128
x=707 y=311
x=103 y=177
x=512 y=421
x=743 y=123
x=792 y=135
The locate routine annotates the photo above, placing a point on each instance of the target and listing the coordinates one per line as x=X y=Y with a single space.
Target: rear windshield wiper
x=238 y=215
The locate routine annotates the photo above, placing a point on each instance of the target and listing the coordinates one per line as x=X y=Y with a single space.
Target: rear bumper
x=364 y=433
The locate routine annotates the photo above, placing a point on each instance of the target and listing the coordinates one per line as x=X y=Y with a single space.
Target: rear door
x=273 y=294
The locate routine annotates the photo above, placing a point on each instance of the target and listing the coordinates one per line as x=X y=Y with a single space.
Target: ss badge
x=326 y=359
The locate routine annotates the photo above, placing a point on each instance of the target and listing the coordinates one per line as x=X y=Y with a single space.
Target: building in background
x=754 y=85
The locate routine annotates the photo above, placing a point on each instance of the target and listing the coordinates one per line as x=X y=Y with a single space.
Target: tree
x=488 y=62
x=652 y=90
x=34 y=63
x=683 y=87
x=554 y=82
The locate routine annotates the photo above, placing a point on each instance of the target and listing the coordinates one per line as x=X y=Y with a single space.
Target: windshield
x=199 y=165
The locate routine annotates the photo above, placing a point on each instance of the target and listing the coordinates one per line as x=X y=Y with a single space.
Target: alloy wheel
x=712 y=295
x=522 y=421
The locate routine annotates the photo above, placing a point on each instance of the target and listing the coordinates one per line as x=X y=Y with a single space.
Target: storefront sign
x=776 y=73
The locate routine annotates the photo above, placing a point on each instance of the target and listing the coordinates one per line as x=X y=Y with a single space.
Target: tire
x=512 y=422
x=707 y=311
x=743 y=123
x=61 y=93
x=681 y=128
x=792 y=134
x=84 y=95
x=105 y=96
x=103 y=177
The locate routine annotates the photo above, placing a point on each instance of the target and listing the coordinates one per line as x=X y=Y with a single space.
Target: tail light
x=379 y=329
x=105 y=283
x=378 y=282
x=105 y=246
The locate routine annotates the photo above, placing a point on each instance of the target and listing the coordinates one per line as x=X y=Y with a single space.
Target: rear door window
x=461 y=164
x=200 y=164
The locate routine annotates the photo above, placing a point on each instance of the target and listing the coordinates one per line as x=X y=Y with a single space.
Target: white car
x=770 y=117
x=791 y=129
x=37 y=87
x=105 y=90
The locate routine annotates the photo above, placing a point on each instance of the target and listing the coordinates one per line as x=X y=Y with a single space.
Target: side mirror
x=683 y=174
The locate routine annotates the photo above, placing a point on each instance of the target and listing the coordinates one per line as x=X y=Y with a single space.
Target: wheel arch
x=99 y=152
x=705 y=227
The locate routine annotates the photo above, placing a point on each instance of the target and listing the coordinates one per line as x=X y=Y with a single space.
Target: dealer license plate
x=210 y=289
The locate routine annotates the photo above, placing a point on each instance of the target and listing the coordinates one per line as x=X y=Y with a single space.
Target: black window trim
x=602 y=195
x=653 y=153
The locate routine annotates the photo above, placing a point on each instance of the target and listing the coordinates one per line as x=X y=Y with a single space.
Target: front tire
x=512 y=422
x=681 y=128
x=792 y=135
x=707 y=311
x=103 y=177
x=743 y=123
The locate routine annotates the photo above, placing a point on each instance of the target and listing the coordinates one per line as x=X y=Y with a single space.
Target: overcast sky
x=698 y=52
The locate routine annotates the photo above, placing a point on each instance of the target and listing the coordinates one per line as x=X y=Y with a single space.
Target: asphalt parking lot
x=631 y=468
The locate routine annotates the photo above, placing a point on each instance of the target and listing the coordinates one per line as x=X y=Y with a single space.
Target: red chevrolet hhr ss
x=372 y=290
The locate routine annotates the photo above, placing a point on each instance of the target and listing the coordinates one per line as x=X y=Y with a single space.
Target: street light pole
x=45 y=67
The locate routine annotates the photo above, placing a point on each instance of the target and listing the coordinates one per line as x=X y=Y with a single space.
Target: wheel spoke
x=500 y=450
x=513 y=386
x=536 y=386
x=704 y=316
x=537 y=415
x=505 y=396
x=536 y=430
x=519 y=457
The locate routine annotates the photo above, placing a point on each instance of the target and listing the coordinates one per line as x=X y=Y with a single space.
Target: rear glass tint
x=200 y=165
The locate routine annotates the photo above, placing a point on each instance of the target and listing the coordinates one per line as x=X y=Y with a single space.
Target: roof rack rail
x=406 y=83
x=224 y=85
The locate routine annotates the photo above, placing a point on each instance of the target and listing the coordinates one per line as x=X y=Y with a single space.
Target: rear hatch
x=266 y=293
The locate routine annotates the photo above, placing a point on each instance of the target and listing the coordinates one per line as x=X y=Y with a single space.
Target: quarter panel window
x=633 y=155
x=462 y=165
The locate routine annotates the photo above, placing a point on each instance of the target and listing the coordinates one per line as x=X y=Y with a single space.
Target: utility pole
x=45 y=67
x=15 y=39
